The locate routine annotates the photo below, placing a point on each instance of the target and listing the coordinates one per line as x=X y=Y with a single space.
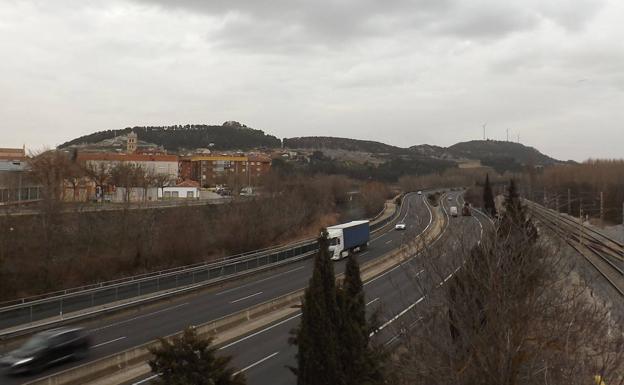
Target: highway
x=265 y=355
x=111 y=335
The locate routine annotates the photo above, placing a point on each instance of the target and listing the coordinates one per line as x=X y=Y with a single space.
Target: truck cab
x=335 y=244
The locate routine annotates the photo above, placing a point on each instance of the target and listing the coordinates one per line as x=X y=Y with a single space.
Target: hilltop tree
x=316 y=338
x=488 y=197
x=189 y=359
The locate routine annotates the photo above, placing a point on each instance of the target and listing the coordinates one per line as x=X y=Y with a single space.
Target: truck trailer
x=348 y=238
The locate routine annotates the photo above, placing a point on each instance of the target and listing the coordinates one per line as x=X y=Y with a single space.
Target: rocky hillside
x=329 y=142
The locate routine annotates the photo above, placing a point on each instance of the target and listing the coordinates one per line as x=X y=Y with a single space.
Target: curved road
x=265 y=355
x=115 y=334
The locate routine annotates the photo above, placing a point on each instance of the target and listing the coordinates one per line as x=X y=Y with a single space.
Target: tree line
x=175 y=138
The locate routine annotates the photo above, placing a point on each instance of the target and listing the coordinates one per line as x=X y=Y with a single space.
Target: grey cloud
x=434 y=69
x=283 y=25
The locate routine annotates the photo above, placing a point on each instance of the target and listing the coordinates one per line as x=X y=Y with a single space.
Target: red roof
x=110 y=156
x=188 y=183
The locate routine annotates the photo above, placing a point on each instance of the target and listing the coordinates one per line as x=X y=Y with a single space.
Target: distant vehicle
x=419 y=192
x=247 y=191
x=450 y=198
x=466 y=210
x=348 y=238
x=400 y=226
x=46 y=349
x=454 y=211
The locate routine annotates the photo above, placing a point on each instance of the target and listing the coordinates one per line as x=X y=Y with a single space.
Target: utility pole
x=545 y=199
x=484 y=124
x=601 y=209
x=508 y=134
x=581 y=221
x=569 y=202
x=557 y=203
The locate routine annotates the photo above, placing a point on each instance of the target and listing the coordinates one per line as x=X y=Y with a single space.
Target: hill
x=499 y=155
x=334 y=143
x=229 y=136
x=488 y=149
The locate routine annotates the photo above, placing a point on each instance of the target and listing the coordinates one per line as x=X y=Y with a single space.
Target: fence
x=28 y=310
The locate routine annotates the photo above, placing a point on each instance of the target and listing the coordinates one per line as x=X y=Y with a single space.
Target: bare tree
x=127 y=175
x=100 y=174
x=161 y=181
x=50 y=169
x=507 y=311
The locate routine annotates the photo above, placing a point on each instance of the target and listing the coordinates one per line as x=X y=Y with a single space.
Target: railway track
x=604 y=253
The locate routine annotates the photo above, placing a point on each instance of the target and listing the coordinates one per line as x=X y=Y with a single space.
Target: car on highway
x=450 y=198
x=453 y=211
x=400 y=226
x=46 y=349
x=419 y=192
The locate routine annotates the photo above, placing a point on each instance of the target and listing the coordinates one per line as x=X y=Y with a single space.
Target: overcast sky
x=402 y=72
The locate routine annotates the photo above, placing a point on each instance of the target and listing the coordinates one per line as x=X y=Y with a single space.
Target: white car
x=450 y=198
x=420 y=193
x=400 y=226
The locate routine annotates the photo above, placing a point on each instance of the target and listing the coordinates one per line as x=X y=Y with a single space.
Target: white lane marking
x=388 y=232
x=364 y=253
x=247 y=297
x=396 y=317
x=375 y=300
x=261 y=280
x=404 y=311
x=257 y=363
x=146 y=379
x=260 y=332
x=139 y=317
x=108 y=342
x=406 y=211
x=388 y=241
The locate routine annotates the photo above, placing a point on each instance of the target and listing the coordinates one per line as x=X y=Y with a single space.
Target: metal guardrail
x=33 y=309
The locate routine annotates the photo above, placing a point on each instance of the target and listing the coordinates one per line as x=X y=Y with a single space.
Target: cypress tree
x=488 y=197
x=516 y=216
x=361 y=362
x=353 y=333
x=318 y=361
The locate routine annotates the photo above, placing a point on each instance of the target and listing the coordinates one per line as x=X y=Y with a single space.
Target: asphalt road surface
x=265 y=355
x=112 y=335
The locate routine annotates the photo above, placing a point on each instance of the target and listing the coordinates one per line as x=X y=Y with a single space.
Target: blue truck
x=348 y=238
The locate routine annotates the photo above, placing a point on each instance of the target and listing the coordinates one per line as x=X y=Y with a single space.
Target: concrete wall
x=179 y=193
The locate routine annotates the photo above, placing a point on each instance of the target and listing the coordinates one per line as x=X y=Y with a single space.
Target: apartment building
x=153 y=163
x=16 y=184
x=232 y=170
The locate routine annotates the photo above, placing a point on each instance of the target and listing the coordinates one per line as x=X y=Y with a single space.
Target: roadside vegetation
x=585 y=182
x=49 y=250
x=513 y=313
x=189 y=359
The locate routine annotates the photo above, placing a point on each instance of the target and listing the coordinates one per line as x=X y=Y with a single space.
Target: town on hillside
x=129 y=170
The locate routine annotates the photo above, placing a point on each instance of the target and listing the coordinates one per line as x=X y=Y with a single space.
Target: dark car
x=47 y=348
